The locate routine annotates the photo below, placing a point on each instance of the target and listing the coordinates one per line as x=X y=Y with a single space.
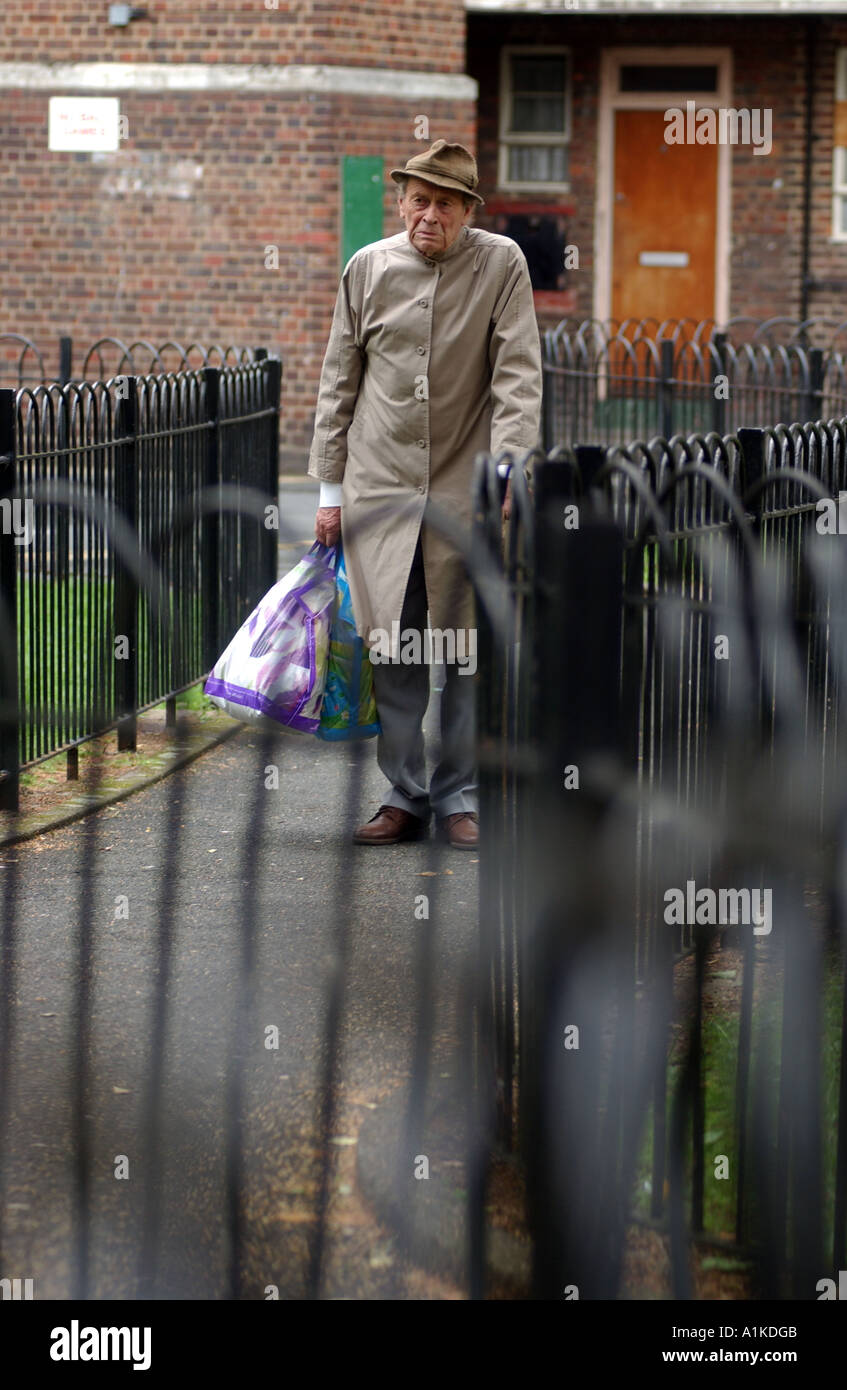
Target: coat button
x=421 y=443
x=421 y=489
x=423 y=303
x=421 y=350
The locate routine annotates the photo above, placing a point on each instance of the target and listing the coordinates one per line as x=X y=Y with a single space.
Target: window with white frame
x=839 y=151
x=535 y=120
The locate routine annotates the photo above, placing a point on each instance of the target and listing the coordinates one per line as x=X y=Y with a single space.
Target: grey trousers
x=402 y=695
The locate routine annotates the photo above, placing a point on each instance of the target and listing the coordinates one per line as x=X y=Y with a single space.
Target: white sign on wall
x=83 y=123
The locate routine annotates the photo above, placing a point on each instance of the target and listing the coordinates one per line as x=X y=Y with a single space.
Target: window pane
x=538 y=74
x=668 y=77
x=538 y=164
x=542 y=241
x=539 y=115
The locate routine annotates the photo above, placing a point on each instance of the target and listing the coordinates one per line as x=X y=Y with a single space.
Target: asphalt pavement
x=250 y=843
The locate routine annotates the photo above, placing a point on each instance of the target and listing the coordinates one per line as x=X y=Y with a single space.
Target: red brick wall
x=766 y=221
x=107 y=243
x=376 y=33
x=104 y=244
x=105 y=247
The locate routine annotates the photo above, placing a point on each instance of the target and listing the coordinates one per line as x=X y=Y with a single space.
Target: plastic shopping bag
x=274 y=669
x=349 y=707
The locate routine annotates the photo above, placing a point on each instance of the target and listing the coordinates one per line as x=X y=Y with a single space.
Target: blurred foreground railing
x=662 y=857
x=662 y=643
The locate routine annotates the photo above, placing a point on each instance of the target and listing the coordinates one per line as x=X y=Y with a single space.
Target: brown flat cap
x=449 y=166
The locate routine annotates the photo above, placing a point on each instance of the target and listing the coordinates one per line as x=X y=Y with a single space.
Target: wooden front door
x=664 y=222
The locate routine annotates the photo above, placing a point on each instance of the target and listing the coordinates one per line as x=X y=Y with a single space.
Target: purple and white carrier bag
x=274 y=670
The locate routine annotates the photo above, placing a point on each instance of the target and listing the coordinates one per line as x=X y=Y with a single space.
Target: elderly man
x=433 y=356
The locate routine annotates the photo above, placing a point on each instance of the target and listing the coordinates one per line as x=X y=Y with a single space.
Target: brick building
x=666 y=229
x=256 y=135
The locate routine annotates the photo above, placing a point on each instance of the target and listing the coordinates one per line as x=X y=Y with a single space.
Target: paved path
x=214 y=815
x=199 y=856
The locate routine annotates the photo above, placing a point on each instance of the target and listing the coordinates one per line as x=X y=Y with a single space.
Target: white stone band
x=671 y=9
x=239 y=77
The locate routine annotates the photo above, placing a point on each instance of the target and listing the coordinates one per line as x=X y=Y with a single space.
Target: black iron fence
x=23 y=362
x=662 y=643
x=609 y=383
x=663 y=849
x=146 y=460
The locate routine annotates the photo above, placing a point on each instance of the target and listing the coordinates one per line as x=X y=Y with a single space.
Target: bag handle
x=329 y=553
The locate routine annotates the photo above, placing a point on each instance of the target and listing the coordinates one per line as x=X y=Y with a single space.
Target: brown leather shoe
x=390 y=826
x=461 y=830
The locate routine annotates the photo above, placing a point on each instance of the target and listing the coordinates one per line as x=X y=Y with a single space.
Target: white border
x=612 y=100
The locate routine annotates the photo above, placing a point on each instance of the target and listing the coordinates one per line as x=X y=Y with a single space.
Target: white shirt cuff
x=330 y=495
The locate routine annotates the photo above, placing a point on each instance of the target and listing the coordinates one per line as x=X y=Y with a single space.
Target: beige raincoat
x=428 y=362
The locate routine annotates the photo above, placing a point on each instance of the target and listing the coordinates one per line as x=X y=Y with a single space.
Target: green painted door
x=362 y=192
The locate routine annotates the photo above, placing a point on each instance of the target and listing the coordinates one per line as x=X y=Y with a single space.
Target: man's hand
x=328 y=525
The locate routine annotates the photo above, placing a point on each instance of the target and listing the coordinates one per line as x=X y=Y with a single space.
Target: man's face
x=433 y=216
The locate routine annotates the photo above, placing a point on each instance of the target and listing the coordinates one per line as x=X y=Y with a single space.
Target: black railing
x=23 y=363
x=144 y=461
x=204 y=1217
x=662 y=641
x=683 y=666
x=609 y=383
